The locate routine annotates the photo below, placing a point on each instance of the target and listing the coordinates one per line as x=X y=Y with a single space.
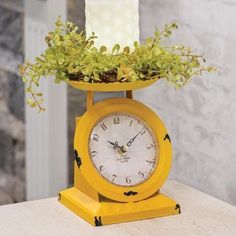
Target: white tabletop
x=201 y=215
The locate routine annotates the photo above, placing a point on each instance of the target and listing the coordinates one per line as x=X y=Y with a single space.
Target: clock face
x=123 y=149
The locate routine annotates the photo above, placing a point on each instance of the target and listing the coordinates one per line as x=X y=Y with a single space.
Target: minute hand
x=132 y=140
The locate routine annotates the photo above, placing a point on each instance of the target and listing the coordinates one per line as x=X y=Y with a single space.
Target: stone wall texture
x=12 y=140
x=201 y=117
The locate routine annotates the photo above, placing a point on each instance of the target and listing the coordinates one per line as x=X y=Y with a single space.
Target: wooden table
x=201 y=215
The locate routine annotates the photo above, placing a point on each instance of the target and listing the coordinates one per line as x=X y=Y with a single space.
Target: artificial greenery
x=72 y=56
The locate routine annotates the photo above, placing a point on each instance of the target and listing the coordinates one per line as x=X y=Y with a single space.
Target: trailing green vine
x=72 y=56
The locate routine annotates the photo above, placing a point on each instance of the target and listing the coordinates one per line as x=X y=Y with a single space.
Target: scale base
x=110 y=212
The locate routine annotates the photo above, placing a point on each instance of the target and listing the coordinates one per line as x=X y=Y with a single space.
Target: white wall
x=46 y=133
x=201 y=118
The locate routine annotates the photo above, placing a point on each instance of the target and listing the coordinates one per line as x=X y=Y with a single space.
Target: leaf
x=24 y=79
x=72 y=55
x=31 y=103
x=59 y=22
x=103 y=49
x=156 y=51
x=22 y=69
x=27 y=90
x=86 y=79
x=57 y=80
x=40 y=101
x=94 y=50
x=116 y=48
x=126 y=50
x=42 y=109
x=136 y=44
x=34 y=104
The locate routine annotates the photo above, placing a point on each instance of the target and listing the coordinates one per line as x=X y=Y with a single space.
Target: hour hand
x=115 y=144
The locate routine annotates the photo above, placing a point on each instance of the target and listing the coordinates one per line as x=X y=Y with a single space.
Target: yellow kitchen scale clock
x=122 y=158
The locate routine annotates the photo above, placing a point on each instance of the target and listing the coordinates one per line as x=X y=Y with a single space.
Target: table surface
x=201 y=215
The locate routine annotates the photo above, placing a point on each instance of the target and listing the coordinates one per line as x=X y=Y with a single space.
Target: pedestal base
x=110 y=212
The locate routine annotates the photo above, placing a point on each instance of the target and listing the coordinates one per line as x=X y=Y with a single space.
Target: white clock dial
x=123 y=149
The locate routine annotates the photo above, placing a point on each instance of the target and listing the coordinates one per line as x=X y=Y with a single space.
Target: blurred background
x=201 y=118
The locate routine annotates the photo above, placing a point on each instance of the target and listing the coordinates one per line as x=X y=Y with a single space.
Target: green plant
x=72 y=56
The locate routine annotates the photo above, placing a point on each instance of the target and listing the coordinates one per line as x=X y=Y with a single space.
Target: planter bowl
x=113 y=86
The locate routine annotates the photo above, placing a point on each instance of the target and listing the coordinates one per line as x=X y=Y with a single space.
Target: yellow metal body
x=90 y=173
x=106 y=212
x=97 y=200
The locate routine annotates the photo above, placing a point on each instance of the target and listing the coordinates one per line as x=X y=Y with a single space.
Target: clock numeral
x=116 y=120
x=103 y=126
x=101 y=168
x=128 y=180
x=131 y=122
x=150 y=146
x=113 y=177
x=151 y=163
x=95 y=137
x=94 y=153
x=141 y=174
x=143 y=131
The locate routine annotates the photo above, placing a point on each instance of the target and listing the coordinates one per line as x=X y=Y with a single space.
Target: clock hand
x=111 y=143
x=132 y=140
x=115 y=144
